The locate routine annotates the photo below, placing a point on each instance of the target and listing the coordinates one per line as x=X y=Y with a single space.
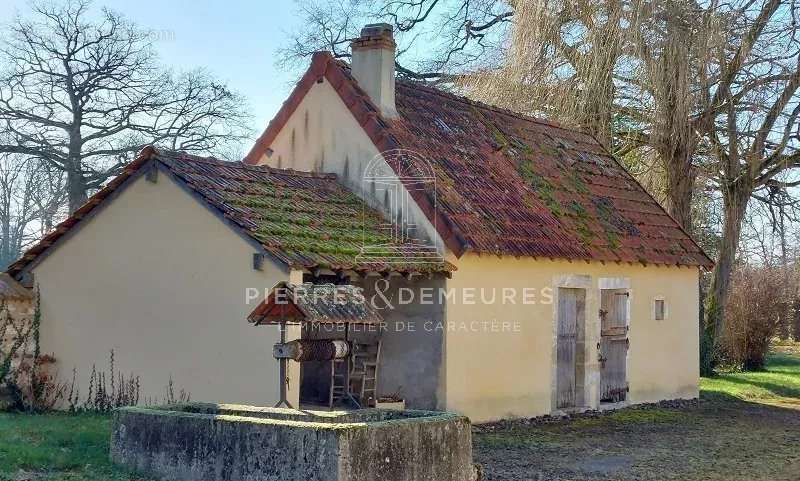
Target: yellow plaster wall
x=493 y=375
x=161 y=280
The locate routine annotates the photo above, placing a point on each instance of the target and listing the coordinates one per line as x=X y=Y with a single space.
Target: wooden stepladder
x=340 y=380
x=354 y=380
x=364 y=372
x=569 y=347
x=614 y=343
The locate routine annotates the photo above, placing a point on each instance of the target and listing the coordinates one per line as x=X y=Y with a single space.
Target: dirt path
x=727 y=440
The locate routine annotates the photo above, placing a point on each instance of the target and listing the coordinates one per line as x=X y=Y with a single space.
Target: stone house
x=521 y=270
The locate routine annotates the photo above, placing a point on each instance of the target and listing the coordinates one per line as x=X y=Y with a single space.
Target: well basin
x=197 y=441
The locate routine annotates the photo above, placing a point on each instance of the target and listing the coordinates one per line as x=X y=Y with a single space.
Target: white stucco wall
x=161 y=280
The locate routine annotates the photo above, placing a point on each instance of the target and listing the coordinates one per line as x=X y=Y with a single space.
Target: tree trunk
x=735 y=199
x=76 y=187
x=680 y=183
x=76 y=181
x=6 y=254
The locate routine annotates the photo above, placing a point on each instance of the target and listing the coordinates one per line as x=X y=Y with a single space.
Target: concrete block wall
x=245 y=443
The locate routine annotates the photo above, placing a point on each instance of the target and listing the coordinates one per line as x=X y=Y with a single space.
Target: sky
x=236 y=40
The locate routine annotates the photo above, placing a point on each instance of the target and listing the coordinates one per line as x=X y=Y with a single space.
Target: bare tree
x=456 y=34
x=87 y=95
x=752 y=131
x=31 y=193
x=627 y=71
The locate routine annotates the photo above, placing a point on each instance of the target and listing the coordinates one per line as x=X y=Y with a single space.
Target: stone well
x=229 y=442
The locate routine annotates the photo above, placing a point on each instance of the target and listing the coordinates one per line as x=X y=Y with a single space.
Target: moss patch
x=541 y=186
x=580 y=217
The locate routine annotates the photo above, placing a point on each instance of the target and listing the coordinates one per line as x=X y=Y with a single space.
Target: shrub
x=760 y=302
x=34 y=389
x=795 y=320
x=106 y=391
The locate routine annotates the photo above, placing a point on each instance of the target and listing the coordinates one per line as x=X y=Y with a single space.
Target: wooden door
x=613 y=345
x=571 y=307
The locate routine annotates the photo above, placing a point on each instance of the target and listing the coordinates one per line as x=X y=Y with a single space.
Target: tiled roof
x=510 y=184
x=303 y=220
x=315 y=303
x=11 y=289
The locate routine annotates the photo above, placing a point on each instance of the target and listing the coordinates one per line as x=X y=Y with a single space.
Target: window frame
x=664 y=310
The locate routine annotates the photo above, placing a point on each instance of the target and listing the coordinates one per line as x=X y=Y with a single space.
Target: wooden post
x=282 y=375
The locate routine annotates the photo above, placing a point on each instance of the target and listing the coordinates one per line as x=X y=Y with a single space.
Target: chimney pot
x=375 y=30
x=373 y=66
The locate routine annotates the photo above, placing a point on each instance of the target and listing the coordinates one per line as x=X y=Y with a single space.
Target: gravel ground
x=720 y=439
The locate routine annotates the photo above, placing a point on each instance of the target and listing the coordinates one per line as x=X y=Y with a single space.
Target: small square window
x=660 y=309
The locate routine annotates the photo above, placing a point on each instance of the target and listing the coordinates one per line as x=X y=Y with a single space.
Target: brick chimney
x=373 y=66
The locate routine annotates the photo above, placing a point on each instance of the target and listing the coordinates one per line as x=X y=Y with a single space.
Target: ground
x=746 y=427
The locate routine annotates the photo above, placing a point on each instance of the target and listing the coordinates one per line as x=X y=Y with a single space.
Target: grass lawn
x=746 y=427
x=779 y=385
x=56 y=447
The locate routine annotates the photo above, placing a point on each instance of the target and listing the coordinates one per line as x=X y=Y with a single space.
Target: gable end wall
x=161 y=280
x=323 y=136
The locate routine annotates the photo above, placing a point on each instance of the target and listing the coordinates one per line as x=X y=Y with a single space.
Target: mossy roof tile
x=303 y=220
